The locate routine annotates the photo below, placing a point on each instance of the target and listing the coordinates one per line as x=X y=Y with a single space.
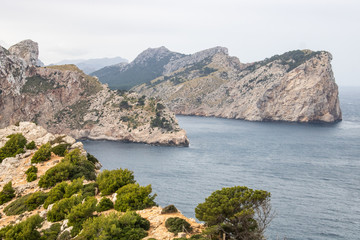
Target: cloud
x=251 y=30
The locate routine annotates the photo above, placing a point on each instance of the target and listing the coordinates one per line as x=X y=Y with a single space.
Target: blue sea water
x=311 y=170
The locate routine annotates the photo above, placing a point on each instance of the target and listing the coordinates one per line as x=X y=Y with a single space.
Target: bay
x=311 y=170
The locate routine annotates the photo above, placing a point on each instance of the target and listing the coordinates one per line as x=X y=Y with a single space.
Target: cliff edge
x=297 y=86
x=64 y=100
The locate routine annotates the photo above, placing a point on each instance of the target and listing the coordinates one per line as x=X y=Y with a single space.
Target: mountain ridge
x=63 y=99
x=297 y=86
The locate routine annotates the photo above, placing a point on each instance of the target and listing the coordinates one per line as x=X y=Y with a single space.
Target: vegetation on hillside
x=31 y=174
x=292 y=59
x=72 y=166
x=42 y=154
x=15 y=145
x=134 y=74
x=110 y=181
x=176 y=225
x=37 y=84
x=134 y=197
x=236 y=212
x=7 y=193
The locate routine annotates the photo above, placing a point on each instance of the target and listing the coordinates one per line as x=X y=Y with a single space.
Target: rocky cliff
x=63 y=99
x=31 y=200
x=297 y=86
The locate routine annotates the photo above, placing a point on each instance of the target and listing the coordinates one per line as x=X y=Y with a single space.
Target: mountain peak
x=152 y=53
x=27 y=50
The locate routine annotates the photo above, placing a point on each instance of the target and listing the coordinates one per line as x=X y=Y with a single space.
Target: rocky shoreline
x=13 y=169
x=64 y=100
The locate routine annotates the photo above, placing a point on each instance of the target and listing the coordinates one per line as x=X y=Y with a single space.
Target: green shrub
x=31 y=174
x=91 y=158
x=30 y=177
x=43 y=154
x=194 y=237
x=35 y=200
x=124 y=104
x=169 y=209
x=114 y=226
x=7 y=193
x=80 y=213
x=25 y=230
x=75 y=187
x=60 y=149
x=62 y=208
x=110 y=181
x=15 y=145
x=51 y=233
x=104 y=205
x=72 y=166
x=56 y=194
x=89 y=190
x=32 y=169
x=176 y=225
x=60 y=172
x=25 y=203
x=31 y=145
x=134 y=197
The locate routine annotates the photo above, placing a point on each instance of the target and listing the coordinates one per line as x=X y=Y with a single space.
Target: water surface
x=311 y=170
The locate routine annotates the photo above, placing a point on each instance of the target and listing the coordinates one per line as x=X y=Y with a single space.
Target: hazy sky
x=252 y=30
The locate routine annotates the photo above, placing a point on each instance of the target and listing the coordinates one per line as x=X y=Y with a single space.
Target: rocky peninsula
x=63 y=99
x=297 y=86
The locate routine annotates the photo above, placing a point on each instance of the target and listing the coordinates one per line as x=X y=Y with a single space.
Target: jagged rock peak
x=154 y=53
x=27 y=50
x=213 y=51
x=194 y=58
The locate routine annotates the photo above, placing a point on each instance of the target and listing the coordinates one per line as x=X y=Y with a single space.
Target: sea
x=311 y=170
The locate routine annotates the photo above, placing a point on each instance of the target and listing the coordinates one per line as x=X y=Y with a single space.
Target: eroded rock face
x=298 y=86
x=27 y=50
x=64 y=100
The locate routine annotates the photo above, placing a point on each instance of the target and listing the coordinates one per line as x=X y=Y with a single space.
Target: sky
x=252 y=30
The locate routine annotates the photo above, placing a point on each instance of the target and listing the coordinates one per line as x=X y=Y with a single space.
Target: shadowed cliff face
x=297 y=86
x=65 y=100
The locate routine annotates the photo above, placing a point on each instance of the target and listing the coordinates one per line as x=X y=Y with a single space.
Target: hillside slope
x=147 y=66
x=297 y=86
x=63 y=99
x=49 y=206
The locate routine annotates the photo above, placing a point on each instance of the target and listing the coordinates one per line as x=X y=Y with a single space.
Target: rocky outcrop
x=298 y=86
x=64 y=100
x=27 y=50
x=13 y=169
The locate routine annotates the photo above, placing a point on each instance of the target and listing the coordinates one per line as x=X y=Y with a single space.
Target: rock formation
x=145 y=67
x=27 y=50
x=64 y=100
x=298 y=86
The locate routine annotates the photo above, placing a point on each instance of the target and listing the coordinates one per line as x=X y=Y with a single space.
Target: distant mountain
x=146 y=66
x=91 y=65
x=297 y=86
